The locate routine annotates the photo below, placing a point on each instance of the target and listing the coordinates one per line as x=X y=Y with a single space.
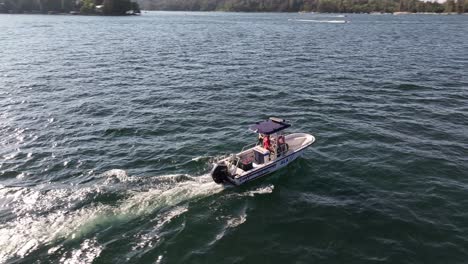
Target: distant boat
x=401 y=13
x=132 y=13
x=321 y=21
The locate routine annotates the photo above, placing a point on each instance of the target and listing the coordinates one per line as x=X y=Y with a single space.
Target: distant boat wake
x=320 y=21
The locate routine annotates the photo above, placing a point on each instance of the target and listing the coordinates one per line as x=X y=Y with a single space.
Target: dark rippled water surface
x=108 y=126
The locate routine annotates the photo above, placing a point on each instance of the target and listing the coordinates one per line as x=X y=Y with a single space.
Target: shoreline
x=304 y=12
x=75 y=13
x=66 y=14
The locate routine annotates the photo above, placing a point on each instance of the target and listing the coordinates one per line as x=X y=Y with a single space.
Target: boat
x=255 y=161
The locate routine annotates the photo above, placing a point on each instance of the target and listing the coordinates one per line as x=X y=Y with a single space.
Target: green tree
x=327 y=6
x=116 y=7
x=450 y=6
x=296 y=5
x=87 y=7
x=3 y=8
x=460 y=6
x=135 y=7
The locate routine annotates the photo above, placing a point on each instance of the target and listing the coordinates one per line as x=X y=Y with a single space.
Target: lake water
x=108 y=126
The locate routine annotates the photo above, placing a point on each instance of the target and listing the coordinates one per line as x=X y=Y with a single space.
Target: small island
x=74 y=7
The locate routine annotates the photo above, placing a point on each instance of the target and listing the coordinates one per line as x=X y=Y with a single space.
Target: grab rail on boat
x=247 y=146
x=234 y=158
x=250 y=145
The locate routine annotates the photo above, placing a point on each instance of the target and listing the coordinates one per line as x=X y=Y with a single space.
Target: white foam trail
x=320 y=21
x=88 y=251
x=29 y=246
x=43 y=218
x=261 y=190
x=27 y=233
x=21 y=175
x=115 y=175
x=232 y=222
x=149 y=239
x=236 y=221
x=200 y=158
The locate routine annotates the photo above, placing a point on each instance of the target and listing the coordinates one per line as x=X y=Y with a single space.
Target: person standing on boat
x=266 y=142
x=281 y=145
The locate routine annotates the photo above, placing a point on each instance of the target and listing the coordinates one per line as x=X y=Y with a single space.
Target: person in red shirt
x=266 y=142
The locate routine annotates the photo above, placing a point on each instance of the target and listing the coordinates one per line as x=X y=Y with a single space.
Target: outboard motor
x=220 y=173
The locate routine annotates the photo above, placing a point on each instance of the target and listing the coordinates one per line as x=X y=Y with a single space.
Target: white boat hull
x=298 y=142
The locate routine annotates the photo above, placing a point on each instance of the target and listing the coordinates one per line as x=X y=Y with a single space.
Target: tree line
x=326 y=6
x=104 y=7
x=119 y=7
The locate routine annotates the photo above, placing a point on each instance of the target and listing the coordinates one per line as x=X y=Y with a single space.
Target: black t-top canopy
x=269 y=126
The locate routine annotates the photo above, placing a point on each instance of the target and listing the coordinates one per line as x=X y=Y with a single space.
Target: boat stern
x=220 y=172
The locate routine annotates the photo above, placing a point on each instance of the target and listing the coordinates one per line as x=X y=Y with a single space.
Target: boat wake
x=51 y=215
x=321 y=21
